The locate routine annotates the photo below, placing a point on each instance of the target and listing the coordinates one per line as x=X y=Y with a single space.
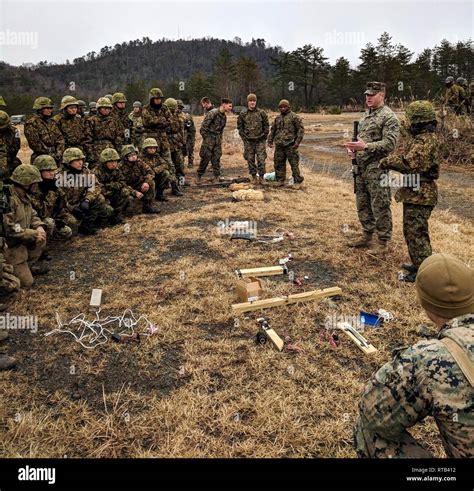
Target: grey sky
x=32 y=31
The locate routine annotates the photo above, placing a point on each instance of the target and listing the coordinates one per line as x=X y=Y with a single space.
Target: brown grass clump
x=202 y=387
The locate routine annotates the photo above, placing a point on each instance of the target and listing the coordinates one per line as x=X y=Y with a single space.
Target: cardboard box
x=249 y=289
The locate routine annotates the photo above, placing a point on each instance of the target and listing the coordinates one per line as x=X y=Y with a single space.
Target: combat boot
x=39 y=269
x=253 y=180
x=7 y=362
x=407 y=278
x=410 y=268
x=277 y=184
x=379 y=248
x=364 y=241
x=87 y=229
x=261 y=181
x=175 y=189
x=198 y=180
x=150 y=209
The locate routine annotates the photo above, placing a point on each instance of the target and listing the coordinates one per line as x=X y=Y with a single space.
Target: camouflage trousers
x=188 y=151
x=119 y=200
x=178 y=162
x=416 y=233
x=211 y=151
x=9 y=284
x=369 y=444
x=57 y=230
x=282 y=154
x=99 y=214
x=162 y=179
x=255 y=151
x=149 y=196
x=373 y=202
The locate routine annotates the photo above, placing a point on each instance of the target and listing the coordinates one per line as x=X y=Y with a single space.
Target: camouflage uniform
x=113 y=184
x=72 y=128
x=136 y=174
x=453 y=98
x=161 y=168
x=44 y=137
x=124 y=123
x=176 y=140
x=156 y=121
x=253 y=128
x=380 y=129
x=420 y=381
x=102 y=132
x=9 y=146
x=19 y=226
x=287 y=130
x=421 y=156
x=190 y=136
x=88 y=189
x=138 y=130
x=212 y=129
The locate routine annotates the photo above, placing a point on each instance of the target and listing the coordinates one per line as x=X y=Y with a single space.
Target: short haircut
x=226 y=100
x=205 y=99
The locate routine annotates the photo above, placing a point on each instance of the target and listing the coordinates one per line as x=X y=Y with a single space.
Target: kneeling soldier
x=139 y=177
x=24 y=232
x=50 y=202
x=114 y=187
x=161 y=167
x=83 y=193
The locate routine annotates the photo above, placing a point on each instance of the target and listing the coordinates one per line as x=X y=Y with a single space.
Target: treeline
x=191 y=69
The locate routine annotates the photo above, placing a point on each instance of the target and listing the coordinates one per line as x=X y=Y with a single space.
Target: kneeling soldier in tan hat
x=431 y=378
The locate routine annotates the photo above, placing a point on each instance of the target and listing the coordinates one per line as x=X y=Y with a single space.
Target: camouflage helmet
x=26 y=174
x=149 y=142
x=155 y=92
x=461 y=81
x=449 y=80
x=104 y=102
x=68 y=100
x=180 y=103
x=92 y=105
x=108 y=96
x=137 y=104
x=71 y=154
x=283 y=102
x=45 y=162
x=81 y=103
x=2 y=101
x=420 y=112
x=118 y=97
x=42 y=103
x=127 y=150
x=4 y=120
x=108 y=154
x=171 y=103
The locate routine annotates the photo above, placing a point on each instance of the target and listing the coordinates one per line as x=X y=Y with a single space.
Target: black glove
x=77 y=212
x=84 y=206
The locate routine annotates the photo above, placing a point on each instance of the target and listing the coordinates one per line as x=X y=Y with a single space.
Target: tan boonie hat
x=445 y=286
x=373 y=88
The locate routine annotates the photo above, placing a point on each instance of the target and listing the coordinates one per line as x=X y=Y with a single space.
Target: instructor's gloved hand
x=84 y=206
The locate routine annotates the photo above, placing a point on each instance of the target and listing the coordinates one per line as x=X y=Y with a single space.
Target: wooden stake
x=239 y=308
x=357 y=338
x=273 y=337
x=269 y=271
x=96 y=300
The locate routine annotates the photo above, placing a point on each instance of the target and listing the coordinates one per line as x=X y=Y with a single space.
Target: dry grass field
x=201 y=386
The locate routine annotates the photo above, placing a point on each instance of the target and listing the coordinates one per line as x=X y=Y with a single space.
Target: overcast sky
x=32 y=31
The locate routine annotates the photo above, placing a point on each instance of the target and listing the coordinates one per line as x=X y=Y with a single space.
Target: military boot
x=379 y=248
x=39 y=269
x=253 y=180
x=277 y=184
x=261 y=181
x=198 y=180
x=150 y=209
x=410 y=268
x=6 y=362
x=364 y=241
x=175 y=189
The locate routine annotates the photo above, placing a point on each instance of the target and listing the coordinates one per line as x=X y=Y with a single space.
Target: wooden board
x=96 y=300
x=239 y=308
x=347 y=328
x=274 y=338
x=268 y=271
